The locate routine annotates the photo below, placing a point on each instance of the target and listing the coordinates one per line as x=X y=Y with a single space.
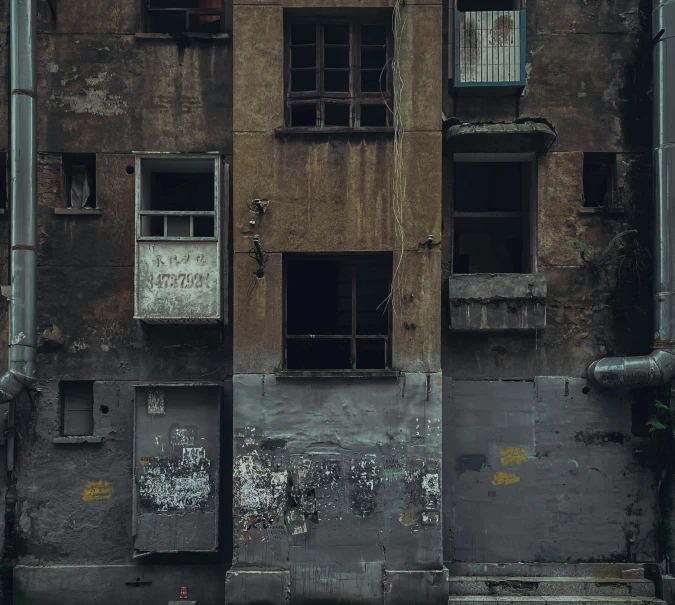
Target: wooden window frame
x=149 y=10
x=354 y=98
x=68 y=406
x=348 y=259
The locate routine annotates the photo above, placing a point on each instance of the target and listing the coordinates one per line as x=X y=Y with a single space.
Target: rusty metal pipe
x=659 y=366
x=23 y=207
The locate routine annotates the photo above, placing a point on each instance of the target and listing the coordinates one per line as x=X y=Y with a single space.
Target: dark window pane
x=303 y=115
x=174 y=4
x=181 y=191
x=303 y=33
x=336 y=81
x=78 y=401
x=336 y=57
x=373 y=58
x=488 y=245
x=372 y=289
x=374 y=81
x=318 y=354
x=488 y=187
x=156 y=226
x=178 y=226
x=373 y=34
x=202 y=226
x=319 y=297
x=336 y=33
x=373 y=115
x=167 y=23
x=487 y=5
x=205 y=24
x=598 y=179
x=370 y=355
x=337 y=115
x=303 y=81
x=303 y=56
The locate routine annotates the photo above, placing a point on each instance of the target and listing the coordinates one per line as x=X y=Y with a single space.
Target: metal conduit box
x=178 y=237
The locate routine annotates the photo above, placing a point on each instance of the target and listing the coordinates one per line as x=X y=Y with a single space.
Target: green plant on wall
x=600 y=263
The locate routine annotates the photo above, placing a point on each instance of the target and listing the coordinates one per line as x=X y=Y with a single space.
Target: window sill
x=77 y=211
x=314 y=132
x=602 y=210
x=76 y=440
x=336 y=373
x=182 y=36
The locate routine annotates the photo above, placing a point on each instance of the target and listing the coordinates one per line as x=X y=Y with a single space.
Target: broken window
x=4 y=193
x=337 y=317
x=494 y=214
x=77 y=406
x=177 y=16
x=79 y=179
x=178 y=198
x=599 y=178
x=338 y=73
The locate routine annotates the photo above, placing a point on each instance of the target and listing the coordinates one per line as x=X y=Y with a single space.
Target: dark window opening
x=341 y=63
x=491 y=218
x=599 y=178
x=177 y=16
x=466 y=6
x=4 y=192
x=178 y=198
x=336 y=313
x=77 y=408
x=79 y=179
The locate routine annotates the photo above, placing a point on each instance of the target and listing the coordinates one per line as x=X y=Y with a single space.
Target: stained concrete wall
x=103 y=90
x=335 y=478
x=588 y=75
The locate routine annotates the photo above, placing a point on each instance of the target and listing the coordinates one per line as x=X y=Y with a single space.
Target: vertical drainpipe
x=23 y=208
x=659 y=366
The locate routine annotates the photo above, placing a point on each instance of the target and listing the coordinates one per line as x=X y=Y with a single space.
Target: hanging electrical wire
x=399 y=19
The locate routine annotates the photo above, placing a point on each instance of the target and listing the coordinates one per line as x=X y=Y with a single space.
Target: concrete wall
x=588 y=71
x=335 y=479
x=103 y=90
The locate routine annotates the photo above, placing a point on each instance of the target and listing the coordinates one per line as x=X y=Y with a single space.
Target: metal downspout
x=659 y=366
x=23 y=208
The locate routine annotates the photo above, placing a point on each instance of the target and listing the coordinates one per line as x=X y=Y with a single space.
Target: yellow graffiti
x=513 y=455
x=502 y=478
x=95 y=491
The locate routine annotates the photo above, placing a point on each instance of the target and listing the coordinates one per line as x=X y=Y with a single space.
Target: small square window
x=464 y=6
x=599 y=178
x=77 y=407
x=79 y=179
x=337 y=317
x=178 y=16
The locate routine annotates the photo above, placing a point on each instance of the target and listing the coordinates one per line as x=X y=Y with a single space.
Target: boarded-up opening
x=176 y=470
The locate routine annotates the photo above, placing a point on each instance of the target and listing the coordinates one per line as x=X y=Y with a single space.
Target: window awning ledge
x=506 y=137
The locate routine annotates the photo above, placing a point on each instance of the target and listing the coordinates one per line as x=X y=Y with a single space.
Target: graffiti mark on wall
x=502 y=478
x=513 y=455
x=95 y=491
x=176 y=483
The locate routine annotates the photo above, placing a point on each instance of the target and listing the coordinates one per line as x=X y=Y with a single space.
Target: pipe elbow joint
x=654 y=369
x=13 y=382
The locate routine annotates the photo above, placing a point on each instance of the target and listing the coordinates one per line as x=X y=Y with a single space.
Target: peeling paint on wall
x=176 y=483
x=260 y=491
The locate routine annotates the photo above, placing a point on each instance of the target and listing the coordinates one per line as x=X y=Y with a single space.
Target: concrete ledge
x=75 y=440
x=497 y=286
x=425 y=587
x=77 y=211
x=257 y=586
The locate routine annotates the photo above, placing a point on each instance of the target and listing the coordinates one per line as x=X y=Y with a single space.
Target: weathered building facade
x=318 y=286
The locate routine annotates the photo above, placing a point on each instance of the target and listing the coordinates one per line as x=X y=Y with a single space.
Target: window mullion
x=353 y=315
